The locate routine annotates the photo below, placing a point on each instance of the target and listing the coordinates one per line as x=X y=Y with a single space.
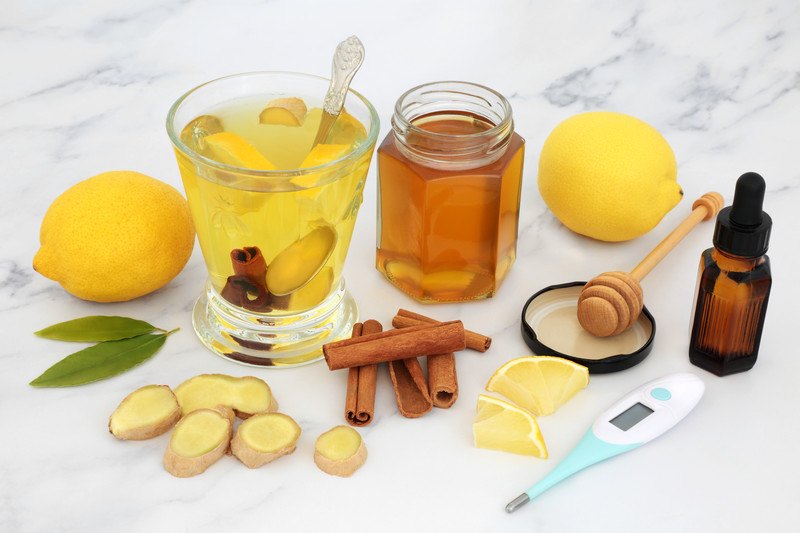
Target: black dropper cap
x=743 y=228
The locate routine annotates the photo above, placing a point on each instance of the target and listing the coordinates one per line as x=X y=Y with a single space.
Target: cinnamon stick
x=442 y=381
x=247 y=287
x=249 y=262
x=422 y=340
x=361 y=383
x=405 y=318
x=410 y=388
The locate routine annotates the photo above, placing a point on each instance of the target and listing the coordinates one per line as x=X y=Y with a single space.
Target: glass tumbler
x=274 y=241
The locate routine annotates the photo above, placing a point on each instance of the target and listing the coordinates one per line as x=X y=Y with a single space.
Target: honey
x=450 y=175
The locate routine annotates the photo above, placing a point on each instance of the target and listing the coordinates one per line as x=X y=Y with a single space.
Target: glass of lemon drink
x=274 y=212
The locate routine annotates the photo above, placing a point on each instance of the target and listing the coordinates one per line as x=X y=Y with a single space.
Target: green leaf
x=96 y=329
x=101 y=361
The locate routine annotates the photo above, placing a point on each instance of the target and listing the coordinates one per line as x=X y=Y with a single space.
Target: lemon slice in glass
x=540 y=384
x=231 y=149
x=499 y=425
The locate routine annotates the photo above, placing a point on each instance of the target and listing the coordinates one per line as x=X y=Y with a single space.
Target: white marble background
x=85 y=87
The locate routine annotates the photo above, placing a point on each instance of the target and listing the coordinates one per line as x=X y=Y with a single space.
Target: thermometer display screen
x=631 y=416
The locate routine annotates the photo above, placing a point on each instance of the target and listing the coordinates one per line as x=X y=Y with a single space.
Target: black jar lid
x=550 y=327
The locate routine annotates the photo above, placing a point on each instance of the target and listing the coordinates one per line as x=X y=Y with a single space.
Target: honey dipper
x=610 y=303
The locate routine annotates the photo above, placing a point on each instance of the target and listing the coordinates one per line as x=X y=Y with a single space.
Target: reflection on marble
x=86 y=89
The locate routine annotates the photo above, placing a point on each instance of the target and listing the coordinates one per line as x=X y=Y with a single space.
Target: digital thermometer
x=639 y=417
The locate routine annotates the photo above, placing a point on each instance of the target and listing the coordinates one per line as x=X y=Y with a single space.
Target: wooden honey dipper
x=611 y=303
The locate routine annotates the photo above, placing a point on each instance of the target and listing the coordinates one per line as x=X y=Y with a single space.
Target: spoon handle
x=347 y=59
x=704 y=208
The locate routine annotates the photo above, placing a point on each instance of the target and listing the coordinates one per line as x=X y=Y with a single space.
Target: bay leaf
x=101 y=361
x=96 y=329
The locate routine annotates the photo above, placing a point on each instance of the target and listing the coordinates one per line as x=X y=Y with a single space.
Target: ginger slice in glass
x=284 y=112
x=196 y=131
x=295 y=266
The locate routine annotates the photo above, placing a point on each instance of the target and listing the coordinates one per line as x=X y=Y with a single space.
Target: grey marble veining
x=85 y=88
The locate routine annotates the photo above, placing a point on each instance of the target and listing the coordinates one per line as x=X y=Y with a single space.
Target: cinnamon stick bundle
x=359 y=406
x=392 y=345
x=410 y=389
x=405 y=319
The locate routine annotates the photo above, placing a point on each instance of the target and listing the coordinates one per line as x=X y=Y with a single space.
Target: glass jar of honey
x=450 y=174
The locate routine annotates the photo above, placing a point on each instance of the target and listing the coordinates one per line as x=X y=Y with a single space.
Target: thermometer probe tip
x=517 y=502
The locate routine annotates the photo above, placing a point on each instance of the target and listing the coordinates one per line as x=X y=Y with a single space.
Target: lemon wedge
x=228 y=148
x=324 y=153
x=499 y=425
x=540 y=384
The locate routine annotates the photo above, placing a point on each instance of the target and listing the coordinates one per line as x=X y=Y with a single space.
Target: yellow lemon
x=115 y=236
x=608 y=176
x=499 y=425
x=540 y=384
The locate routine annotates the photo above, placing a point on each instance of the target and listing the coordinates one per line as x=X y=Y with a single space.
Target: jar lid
x=550 y=327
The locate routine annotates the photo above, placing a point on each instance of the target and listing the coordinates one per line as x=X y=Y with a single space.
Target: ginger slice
x=196 y=131
x=145 y=413
x=198 y=441
x=297 y=264
x=284 y=112
x=246 y=395
x=340 y=451
x=265 y=437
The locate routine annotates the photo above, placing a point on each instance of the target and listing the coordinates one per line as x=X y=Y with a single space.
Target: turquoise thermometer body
x=636 y=419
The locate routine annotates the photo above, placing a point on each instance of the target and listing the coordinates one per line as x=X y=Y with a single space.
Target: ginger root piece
x=265 y=437
x=145 y=413
x=198 y=441
x=340 y=451
x=196 y=131
x=284 y=111
x=246 y=395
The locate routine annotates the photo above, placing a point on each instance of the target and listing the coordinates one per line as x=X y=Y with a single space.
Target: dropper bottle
x=734 y=284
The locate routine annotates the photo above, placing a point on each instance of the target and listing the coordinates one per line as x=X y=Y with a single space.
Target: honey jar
x=450 y=175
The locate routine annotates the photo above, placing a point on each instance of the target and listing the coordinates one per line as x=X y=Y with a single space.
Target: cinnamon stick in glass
x=405 y=318
x=359 y=407
x=415 y=341
x=410 y=388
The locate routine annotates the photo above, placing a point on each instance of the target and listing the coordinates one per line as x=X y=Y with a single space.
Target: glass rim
x=497 y=129
x=372 y=135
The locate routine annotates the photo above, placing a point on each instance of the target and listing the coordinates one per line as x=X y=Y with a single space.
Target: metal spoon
x=347 y=60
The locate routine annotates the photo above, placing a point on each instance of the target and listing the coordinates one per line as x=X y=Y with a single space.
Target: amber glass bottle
x=734 y=284
x=450 y=174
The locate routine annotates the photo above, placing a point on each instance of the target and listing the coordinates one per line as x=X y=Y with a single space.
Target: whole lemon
x=608 y=176
x=115 y=236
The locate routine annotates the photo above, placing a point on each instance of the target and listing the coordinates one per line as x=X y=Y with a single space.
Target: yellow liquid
x=301 y=224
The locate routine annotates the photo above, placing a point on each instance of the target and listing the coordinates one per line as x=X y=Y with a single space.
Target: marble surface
x=85 y=89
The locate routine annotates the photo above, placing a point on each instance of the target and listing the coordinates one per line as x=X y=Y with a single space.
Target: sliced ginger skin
x=265 y=437
x=340 y=451
x=246 y=395
x=145 y=413
x=284 y=112
x=199 y=440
